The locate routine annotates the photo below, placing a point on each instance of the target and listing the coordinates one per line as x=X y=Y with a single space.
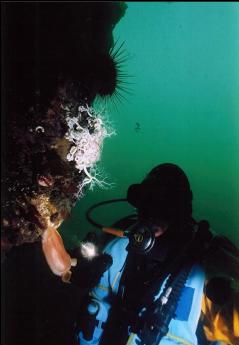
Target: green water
x=184 y=109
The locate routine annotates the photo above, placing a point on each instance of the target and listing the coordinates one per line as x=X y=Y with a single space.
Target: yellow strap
x=178 y=339
x=105 y=288
x=131 y=339
x=102 y=287
x=115 y=280
x=169 y=335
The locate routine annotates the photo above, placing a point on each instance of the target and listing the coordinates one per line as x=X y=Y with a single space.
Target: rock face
x=57 y=58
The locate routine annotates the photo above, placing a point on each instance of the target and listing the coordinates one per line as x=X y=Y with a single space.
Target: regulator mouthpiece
x=141 y=236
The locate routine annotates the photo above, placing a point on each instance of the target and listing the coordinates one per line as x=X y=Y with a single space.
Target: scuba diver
x=172 y=281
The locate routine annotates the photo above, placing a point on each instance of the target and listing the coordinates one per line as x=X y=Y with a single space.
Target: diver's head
x=163 y=196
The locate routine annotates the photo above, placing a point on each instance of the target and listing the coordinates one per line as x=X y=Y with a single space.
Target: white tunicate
x=87 y=146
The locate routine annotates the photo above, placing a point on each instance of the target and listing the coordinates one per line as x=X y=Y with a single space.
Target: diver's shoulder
x=116 y=246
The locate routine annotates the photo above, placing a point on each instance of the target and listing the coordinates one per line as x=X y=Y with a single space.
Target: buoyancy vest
x=182 y=328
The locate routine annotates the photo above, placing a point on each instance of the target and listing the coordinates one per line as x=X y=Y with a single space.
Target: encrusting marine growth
x=61 y=57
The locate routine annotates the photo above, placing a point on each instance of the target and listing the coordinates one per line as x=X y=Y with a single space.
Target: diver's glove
x=91 y=265
x=87 y=273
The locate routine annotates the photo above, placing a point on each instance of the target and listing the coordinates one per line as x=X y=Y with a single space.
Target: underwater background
x=182 y=66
